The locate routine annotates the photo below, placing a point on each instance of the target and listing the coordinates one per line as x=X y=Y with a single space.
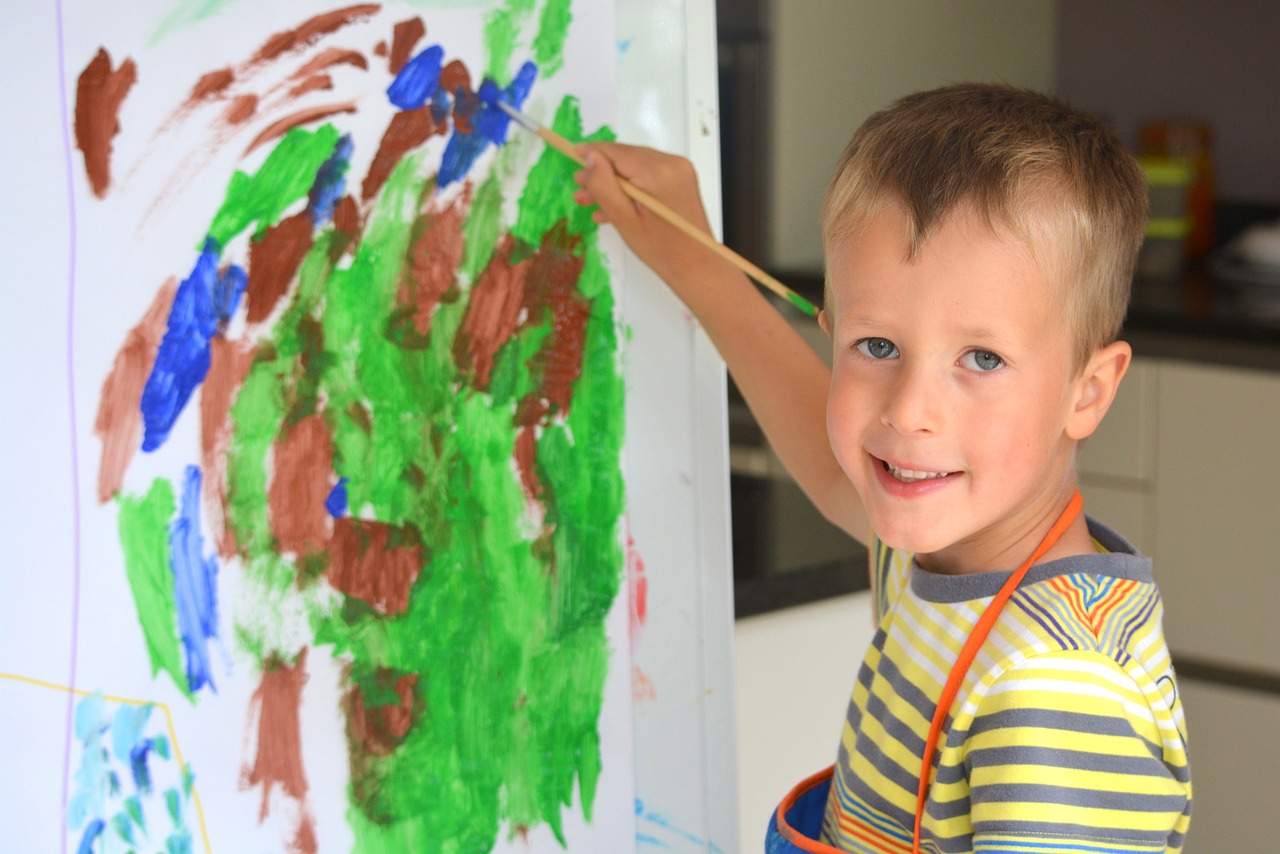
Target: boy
x=979 y=243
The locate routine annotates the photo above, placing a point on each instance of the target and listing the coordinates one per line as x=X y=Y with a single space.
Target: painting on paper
x=346 y=549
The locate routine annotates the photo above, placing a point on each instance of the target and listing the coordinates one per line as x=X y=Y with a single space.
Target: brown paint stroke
x=328 y=58
x=301 y=482
x=406 y=131
x=379 y=730
x=403 y=37
x=280 y=127
x=374 y=562
x=119 y=420
x=273 y=262
x=493 y=313
x=228 y=366
x=434 y=258
x=456 y=79
x=275 y=705
x=347 y=225
x=99 y=94
x=314 y=83
x=310 y=30
x=241 y=109
x=552 y=287
x=526 y=455
x=210 y=86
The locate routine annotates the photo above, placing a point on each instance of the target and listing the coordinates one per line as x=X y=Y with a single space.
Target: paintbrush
x=565 y=147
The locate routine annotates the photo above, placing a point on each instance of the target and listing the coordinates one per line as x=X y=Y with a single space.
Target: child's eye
x=877 y=348
x=982 y=360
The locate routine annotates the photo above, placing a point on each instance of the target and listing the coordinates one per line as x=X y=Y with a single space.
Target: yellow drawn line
x=129 y=701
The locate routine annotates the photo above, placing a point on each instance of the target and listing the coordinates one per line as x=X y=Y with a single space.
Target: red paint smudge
x=637 y=587
x=642 y=688
x=279 y=127
x=119 y=420
x=456 y=79
x=99 y=94
x=405 y=132
x=301 y=482
x=278 y=761
x=273 y=261
x=493 y=313
x=228 y=366
x=311 y=30
x=403 y=37
x=379 y=729
x=552 y=288
x=374 y=562
x=241 y=109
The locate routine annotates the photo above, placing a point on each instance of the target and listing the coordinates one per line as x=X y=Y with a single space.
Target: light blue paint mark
x=662 y=827
x=195 y=588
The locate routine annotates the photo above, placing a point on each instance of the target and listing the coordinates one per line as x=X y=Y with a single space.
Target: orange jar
x=1190 y=139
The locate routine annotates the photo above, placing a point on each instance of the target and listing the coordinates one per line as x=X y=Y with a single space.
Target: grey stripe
x=1049 y=757
x=907 y=779
x=1041 y=793
x=1046 y=719
x=1081 y=832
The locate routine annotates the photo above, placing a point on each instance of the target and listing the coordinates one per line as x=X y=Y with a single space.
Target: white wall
x=837 y=61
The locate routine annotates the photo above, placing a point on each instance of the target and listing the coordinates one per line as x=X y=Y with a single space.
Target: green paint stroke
x=144 y=538
x=553 y=29
x=503 y=642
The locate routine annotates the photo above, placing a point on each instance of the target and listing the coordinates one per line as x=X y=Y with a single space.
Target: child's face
x=951 y=391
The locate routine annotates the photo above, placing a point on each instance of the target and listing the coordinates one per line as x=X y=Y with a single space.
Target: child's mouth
x=912 y=475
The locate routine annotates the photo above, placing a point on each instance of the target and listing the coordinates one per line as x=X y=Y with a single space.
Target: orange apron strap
x=970 y=651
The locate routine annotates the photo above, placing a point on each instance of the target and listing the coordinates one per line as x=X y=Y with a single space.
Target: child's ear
x=824 y=320
x=1096 y=387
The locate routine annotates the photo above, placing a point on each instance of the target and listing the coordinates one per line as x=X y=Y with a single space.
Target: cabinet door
x=1218 y=512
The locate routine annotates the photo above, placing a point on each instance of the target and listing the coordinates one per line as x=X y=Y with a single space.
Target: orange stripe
x=1119 y=592
x=871 y=836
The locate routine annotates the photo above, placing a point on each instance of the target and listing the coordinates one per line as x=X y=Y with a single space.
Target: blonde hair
x=1055 y=178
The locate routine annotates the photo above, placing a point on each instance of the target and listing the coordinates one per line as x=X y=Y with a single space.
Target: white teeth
x=911 y=475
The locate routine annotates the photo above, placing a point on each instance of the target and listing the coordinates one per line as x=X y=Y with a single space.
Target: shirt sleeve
x=1065 y=749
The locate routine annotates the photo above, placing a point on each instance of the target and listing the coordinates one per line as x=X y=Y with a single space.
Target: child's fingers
x=599 y=182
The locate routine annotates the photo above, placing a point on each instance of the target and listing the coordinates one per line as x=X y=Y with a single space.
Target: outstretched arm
x=781 y=378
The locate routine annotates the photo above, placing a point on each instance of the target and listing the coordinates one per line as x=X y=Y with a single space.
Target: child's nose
x=913 y=403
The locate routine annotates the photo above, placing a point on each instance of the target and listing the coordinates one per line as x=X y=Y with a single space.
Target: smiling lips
x=913 y=475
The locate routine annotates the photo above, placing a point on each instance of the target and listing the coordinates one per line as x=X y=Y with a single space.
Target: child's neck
x=968 y=557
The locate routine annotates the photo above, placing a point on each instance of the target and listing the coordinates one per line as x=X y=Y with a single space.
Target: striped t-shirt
x=1067 y=734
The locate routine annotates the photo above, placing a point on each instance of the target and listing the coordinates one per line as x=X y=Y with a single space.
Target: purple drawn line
x=71 y=396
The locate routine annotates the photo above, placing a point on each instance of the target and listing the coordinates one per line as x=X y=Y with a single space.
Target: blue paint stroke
x=130 y=744
x=417 y=81
x=330 y=183
x=489 y=124
x=91 y=834
x=336 y=503
x=204 y=301
x=195 y=580
x=663 y=827
x=87 y=803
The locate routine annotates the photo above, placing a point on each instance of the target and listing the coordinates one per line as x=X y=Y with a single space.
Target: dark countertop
x=1207 y=317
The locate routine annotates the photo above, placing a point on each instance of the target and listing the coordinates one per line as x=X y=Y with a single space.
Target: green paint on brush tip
x=284 y=178
x=802 y=303
x=144 y=539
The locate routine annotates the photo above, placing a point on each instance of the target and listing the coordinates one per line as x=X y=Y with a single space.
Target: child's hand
x=672 y=180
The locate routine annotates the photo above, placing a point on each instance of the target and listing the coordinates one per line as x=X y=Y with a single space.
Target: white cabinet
x=1186 y=466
